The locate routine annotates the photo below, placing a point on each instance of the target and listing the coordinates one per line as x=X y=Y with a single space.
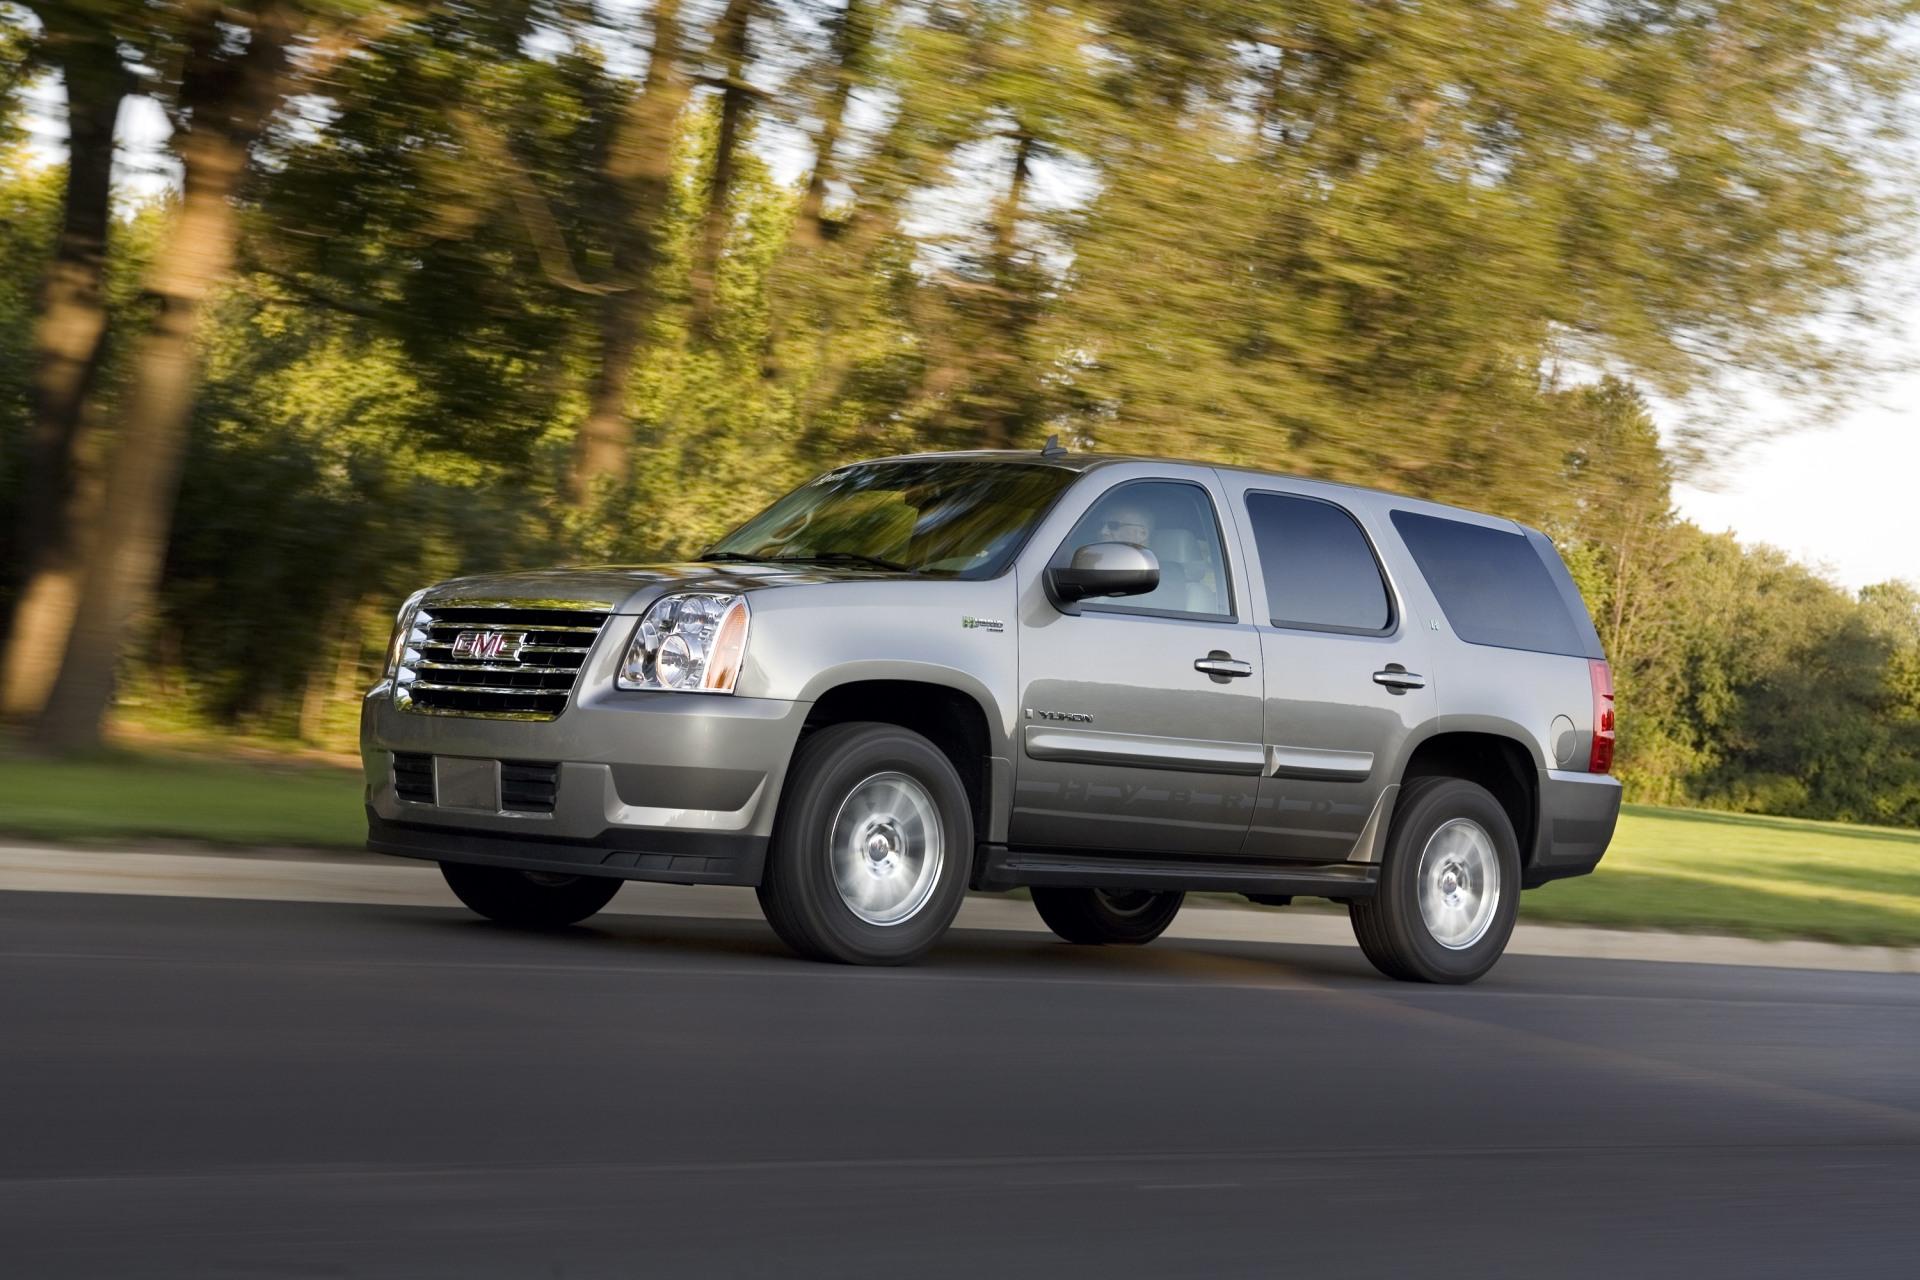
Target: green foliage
x=29 y=213
x=1358 y=242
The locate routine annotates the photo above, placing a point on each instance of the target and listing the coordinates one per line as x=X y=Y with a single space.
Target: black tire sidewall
x=1084 y=916
x=802 y=900
x=511 y=898
x=1425 y=806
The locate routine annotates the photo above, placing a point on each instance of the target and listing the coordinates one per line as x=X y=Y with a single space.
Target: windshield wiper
x=846 y=557
x=706 y=556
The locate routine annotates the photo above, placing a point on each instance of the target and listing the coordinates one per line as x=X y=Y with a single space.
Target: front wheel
x=528 y=899
x=1092 y=917
x=1449 y=886
x=872 y=847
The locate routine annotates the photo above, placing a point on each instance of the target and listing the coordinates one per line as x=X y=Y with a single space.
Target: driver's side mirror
x=1104 y=569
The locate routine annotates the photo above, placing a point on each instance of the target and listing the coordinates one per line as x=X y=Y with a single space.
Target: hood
x=630 y=588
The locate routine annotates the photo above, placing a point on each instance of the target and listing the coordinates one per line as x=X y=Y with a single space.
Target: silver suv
x=1107 y=680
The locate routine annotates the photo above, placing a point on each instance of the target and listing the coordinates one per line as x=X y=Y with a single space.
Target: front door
x=1140 y=716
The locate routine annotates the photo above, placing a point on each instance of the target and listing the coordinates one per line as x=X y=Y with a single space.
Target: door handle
x=1399 y=679
x=1222 y=665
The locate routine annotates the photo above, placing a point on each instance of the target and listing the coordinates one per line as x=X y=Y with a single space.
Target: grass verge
x=1701 y=871
x=1683 y=869
x=130 y=795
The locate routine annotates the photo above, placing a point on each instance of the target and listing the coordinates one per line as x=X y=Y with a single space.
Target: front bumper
x=1577 y=816
x=650 y=786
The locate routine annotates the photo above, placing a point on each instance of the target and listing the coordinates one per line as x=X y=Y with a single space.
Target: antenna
x=1052 y=448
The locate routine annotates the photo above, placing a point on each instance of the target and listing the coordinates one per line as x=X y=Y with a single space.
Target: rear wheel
x=528 y=899
x=1449 y=886
x=872 y=848
x=1128 y=917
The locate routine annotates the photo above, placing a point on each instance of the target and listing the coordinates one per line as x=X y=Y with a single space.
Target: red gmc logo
x=489 y=645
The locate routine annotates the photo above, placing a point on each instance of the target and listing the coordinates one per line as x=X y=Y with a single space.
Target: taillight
x=1600 y=759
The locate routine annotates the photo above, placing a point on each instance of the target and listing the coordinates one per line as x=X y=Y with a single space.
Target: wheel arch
x=954 y=719
x=1501 y=763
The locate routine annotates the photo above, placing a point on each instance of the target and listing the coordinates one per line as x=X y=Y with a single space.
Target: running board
x=998 y=867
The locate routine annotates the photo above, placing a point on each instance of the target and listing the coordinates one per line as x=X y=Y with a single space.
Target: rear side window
x=1319 y=568
x=1494 y=586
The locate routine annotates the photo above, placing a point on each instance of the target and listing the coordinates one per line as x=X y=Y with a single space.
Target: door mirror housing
x=1104 y=569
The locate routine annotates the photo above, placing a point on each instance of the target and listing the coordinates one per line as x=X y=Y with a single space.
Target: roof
x=1068 y=460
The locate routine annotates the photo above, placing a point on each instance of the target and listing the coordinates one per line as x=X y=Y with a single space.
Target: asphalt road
x=224 y=1088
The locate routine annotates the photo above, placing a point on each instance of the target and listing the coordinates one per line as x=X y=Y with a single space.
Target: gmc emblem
x=489 y=646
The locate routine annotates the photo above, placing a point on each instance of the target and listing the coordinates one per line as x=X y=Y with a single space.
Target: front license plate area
x=466 y=784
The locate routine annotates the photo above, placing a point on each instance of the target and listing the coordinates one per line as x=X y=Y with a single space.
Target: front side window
x=1175 y=521
x=1318 y=566
x=961 y=519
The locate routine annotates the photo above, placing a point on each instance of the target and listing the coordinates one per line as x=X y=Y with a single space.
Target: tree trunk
x=1006 y=388
x=230 y=97
x=69 y=341
x=736 y=98
x=326 y=688
x=1007 y=221
x=850 y=39
x=640 y=169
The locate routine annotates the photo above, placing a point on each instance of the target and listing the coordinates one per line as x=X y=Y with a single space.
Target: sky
x=1843 y=497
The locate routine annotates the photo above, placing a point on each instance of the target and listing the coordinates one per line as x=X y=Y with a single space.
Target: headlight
x=694 y=643
x=403 y=632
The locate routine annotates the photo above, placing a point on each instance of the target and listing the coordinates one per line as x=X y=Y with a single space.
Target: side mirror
x=1104 y=569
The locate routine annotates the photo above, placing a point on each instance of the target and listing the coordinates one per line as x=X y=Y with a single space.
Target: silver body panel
x=1101 y=734
x=1336 y=739
x=1169 y=759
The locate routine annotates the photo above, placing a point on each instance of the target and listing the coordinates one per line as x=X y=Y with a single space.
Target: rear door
x=1348 y=676
x=1140 y=716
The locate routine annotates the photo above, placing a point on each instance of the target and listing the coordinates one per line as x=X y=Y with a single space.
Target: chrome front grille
x=499 y=660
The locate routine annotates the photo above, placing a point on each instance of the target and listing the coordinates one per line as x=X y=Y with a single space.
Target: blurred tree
x=234 y=69
x=80 y=41
x=731 y=55
x=1374 y=230
x=639 y=170
x=514 y=282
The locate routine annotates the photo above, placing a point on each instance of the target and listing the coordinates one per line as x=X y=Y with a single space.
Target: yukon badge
x=1074 y=717
x=971 y=623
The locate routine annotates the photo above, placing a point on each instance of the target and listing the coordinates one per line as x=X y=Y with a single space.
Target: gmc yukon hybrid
x=1109 y=680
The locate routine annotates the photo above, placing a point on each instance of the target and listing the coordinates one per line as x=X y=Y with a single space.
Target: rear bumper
x=1577 y=816
x=650 y=786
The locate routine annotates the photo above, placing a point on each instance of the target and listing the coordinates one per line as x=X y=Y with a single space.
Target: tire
x=1455 y=835
x=529 y=899
x=872 y=848
x=1092 y=917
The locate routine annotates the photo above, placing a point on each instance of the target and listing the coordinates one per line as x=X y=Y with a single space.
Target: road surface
x=202 y=1088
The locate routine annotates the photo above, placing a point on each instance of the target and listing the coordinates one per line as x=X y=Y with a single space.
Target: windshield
x=949 y=519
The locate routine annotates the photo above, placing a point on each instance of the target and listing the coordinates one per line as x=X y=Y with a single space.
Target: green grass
x=219 y=801
x=1683 y=869
x=1696 y=870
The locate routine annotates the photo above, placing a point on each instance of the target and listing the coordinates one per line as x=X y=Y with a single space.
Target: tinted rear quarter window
x=1494 y=586
x=1318 y=566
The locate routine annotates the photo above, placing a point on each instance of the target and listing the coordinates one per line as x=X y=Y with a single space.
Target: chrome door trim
x=1317 y=762
x=1144 y=750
